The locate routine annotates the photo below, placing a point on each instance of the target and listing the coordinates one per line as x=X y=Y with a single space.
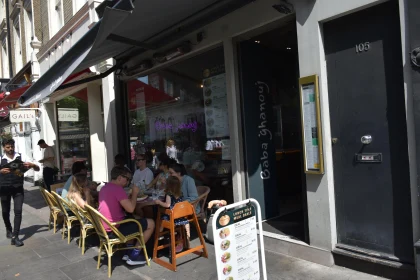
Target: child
x=173 y=196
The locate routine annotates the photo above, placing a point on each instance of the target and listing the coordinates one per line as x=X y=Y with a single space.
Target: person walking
x=11 y=186
x=48 y=164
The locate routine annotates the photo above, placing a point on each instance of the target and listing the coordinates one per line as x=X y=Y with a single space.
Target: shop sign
x=4 y=111
x=236 y=242
x=68 y=115
x=17 y=116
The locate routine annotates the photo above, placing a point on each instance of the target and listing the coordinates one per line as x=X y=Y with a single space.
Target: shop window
x=73 y=131
x=18 y=44
x=28 y=28
x=186 y=103
x=4 y=58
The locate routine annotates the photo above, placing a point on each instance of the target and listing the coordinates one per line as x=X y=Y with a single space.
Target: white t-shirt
x=22 y=157
x=48 y=152
x=145 y=175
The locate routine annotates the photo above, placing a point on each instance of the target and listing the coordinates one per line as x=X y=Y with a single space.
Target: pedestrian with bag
x=13 y=166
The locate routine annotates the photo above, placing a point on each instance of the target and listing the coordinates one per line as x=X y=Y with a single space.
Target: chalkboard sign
x=311 y=125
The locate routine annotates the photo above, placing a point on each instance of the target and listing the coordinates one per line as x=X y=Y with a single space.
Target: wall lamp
x=415 y=57
x=284 y=7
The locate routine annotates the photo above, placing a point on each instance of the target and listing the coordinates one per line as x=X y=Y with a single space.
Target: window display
x=182 y=112
x=73 y=131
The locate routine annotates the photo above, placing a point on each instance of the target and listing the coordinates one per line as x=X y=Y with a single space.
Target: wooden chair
x=203 y=192
x=180 y=210
x=68 y=220
x=54 y=208
x=117 y=239
x=86 y=225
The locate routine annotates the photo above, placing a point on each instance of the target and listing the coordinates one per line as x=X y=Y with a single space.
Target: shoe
x=9 y=234
x=16 y=241
x=139 y=260
x=179 y=247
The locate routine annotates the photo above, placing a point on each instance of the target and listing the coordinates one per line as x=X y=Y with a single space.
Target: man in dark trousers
x=48 y=164
x=11 y=186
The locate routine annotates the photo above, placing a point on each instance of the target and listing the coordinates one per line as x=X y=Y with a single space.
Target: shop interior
x=185 y=103
x=291 y=215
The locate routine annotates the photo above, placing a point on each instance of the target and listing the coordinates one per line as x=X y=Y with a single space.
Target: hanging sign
x=17 y=116
x=68 y=115
x=236 y=241
x=311 y=125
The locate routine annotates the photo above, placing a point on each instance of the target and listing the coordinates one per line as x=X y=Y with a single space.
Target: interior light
x=257 y=42
x=289 y=48
x=201 y=86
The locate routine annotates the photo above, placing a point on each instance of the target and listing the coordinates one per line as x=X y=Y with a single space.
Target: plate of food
x=224 y=233
x=142 y=198
x=225 y=245
x=226 y=257
x=227 y=269
x=224 y=220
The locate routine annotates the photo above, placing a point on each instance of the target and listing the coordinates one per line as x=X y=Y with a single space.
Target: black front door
x=366 y=95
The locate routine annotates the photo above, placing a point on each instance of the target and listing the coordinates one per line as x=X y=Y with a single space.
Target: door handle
x=366 y=139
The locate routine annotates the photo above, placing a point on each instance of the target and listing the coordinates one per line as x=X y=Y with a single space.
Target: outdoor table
x=148 y=207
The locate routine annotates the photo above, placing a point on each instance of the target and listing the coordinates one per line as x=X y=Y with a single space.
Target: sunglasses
x=140 y=159
x=127 y=177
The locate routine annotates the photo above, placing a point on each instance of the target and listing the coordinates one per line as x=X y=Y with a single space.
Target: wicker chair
x=54 y=208
x=86 y=226
x=203 y=192
x=117 y=239
x=68 y=220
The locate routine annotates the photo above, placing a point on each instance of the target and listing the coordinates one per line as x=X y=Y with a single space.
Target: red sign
x=4 y=111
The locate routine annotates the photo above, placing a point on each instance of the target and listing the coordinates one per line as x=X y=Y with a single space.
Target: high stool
x=180 y=210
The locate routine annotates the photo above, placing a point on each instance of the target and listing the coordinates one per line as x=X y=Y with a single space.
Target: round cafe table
x=147 y=208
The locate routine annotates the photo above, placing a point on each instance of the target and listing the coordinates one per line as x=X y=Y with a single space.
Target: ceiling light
x=201 y=86
x=257 y=42
x=289 y=48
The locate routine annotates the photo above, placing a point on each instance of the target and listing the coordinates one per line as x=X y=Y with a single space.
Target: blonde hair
x=76 y=186
x=170 y=142
x=173 y=186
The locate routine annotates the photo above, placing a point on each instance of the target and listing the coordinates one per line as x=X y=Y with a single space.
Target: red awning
x=12 y=98
x=143 y=95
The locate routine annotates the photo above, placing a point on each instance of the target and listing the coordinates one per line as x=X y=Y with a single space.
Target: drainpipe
x=9 y=43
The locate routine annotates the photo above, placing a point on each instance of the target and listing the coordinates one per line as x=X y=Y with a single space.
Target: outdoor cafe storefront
x=241 y=90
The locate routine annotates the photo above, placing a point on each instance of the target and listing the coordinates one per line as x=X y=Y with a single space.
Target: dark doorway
x=272 y=129
x=366 y=95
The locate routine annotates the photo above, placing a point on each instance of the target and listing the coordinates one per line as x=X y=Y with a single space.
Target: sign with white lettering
x=17 y=116
x=68 y=115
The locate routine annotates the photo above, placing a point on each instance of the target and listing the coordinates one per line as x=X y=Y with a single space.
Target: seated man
x=113 y=201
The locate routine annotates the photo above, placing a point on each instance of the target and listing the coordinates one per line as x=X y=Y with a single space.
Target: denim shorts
x=130 y=228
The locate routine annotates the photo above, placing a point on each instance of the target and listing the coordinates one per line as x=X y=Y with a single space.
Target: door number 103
x=362 y=47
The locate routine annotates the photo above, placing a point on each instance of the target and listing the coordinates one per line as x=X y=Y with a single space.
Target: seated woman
x=189 y=190
x=82 y=190
x=160 y=181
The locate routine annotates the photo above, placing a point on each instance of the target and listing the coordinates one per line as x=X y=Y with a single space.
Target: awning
x=13 y=97
x=125 y=30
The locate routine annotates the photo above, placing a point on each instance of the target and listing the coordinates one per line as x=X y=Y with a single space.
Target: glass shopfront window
x=73 y=131
x=185 y=103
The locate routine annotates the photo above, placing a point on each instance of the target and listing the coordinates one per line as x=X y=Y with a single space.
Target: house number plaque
x=362 y=47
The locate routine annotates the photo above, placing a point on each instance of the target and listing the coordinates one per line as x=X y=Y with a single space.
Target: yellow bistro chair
x=54 y=208
x=118 y=239
x=68 y=220
x=86 y=226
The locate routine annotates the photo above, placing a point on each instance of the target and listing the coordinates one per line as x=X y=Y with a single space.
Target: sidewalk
x=47 y=256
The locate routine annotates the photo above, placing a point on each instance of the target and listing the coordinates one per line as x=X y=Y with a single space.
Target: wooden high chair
x=180 y=210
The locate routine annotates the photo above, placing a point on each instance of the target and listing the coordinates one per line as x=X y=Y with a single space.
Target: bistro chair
x=180 y=210
x=117 y=238
x=203 y=192
x=54 y=208
x=68 y=219
x=86 y=225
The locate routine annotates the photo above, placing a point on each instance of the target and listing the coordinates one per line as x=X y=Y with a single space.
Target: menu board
x=236 y=245
x=312 y=141
x=215 y=104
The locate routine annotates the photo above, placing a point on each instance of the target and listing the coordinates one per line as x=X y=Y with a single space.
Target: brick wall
x=68 y=10
x=40 y=16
